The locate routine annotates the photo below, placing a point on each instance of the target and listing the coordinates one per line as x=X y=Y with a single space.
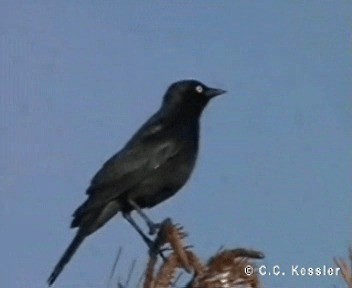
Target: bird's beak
x=212 y=92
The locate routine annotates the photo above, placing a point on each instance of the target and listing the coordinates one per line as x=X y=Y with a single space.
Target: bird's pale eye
x=199 y=89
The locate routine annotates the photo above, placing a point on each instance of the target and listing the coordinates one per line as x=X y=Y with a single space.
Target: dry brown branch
x=167 y=271
x=168 y=233
x=149 y=274
x=153 y=253
x=225 y=269
x=346 y=269
x=197 y=265
x=175 y=236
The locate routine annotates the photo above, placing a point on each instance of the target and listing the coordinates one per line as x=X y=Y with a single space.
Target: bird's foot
x=153 y=228
x=154 y=249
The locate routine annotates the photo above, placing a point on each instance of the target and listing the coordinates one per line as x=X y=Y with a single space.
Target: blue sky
x=78 y=78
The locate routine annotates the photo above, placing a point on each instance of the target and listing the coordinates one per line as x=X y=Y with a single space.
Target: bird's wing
x=121 y=173
x=125 y=170
x=148 y=150
x=128 y=167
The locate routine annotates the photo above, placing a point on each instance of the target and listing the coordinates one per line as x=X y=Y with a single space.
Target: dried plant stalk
x=149 y=274
x=345 y=268
x=225 y=269
x=167 y=272
x=174 y=237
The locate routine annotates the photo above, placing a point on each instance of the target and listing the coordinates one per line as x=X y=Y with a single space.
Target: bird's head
x=189 y=96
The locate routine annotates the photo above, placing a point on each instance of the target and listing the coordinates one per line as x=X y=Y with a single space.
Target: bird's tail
x=76 y=242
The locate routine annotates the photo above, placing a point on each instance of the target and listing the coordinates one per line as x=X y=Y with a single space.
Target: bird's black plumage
x=154 y=164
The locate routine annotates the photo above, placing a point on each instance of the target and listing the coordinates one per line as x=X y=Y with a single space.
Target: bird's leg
x=153 y=227
x=145 y=238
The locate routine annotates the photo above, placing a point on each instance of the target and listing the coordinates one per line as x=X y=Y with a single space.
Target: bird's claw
x=153 y=228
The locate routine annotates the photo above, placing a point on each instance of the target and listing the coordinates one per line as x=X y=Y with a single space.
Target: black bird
x=154 y=164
